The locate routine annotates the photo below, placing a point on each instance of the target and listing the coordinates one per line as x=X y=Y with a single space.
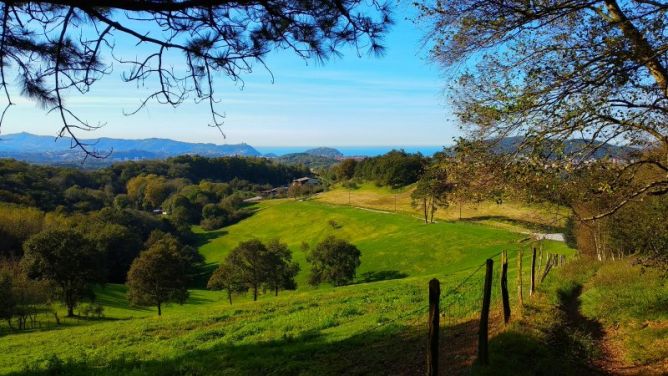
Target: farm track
x=610 y=359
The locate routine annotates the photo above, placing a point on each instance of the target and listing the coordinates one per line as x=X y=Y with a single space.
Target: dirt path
x=610 y=359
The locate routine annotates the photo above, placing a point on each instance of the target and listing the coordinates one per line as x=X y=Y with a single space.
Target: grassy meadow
x=509 y=215
x=392 y=244
x=378 y=323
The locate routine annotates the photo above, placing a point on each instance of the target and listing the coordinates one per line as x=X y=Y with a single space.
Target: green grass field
x=376 y=324
x=391 y=244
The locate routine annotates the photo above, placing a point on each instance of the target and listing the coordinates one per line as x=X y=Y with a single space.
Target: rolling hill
x=310 y=331
x=48 y=149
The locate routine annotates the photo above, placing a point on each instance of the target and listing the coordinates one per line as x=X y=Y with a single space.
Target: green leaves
x=333 y=260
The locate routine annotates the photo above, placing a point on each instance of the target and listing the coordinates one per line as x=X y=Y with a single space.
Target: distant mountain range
x=48 y=149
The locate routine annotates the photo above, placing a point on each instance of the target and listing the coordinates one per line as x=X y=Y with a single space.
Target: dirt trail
x=610 y=360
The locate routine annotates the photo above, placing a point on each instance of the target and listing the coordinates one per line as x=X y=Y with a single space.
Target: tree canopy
x=66 y=258
x=557 y=70
x=333 y=260
x=160 y=274
x=63 y=47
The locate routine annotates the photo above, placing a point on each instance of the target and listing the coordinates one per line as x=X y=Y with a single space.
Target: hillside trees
x=46 y=52
x=66 y=258
x=558 y=70
x=21 y=298
x=119 y=245
x=346 y=169
x=395 y=168
x=17 y=224
x=227 y=277
x=281 y=270
x=150 y=191
x=253 y=264
x=160 y=274
x=141 y=185
x=475 y=173
x=333 y=260
x=250 y=257
x=431 y=191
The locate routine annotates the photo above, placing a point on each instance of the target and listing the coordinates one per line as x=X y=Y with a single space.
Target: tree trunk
x=520 y=293
x=255 y=293
x=426 y=217
x=229 y=296
x=433 y=210
x=70 y=310
x=159 y=309
x=276 y=291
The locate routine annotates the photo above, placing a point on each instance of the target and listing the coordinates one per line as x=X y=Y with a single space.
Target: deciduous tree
x=281 y=270
x=551 y=71
x=431 y=191
x=66 y=258
x=227 y=277
x=160 y=274
x=250 y=259
x=334 y=261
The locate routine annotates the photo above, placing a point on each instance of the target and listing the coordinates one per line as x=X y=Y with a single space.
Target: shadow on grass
x=389 y=350
x=203 y=238
x=115 y=296
x=539 y=227
x=45 y=324
x=578 y=334
x=568 y=348
x=383 y=275
x=204 y=272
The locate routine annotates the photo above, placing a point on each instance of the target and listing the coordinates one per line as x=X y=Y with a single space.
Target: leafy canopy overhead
x=553 y=70
x=63 y=47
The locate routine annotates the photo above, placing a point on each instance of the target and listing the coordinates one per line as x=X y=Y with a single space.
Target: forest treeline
x=169 y=195
x=49 y=188
x=65 y=230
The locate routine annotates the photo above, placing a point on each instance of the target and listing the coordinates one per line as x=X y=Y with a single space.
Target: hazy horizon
x=346 y=150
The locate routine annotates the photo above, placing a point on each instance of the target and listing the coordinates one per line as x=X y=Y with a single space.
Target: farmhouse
x=276 y=192
x=305 y=181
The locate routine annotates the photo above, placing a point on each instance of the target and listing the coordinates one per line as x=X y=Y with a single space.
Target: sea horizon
x=352 y=151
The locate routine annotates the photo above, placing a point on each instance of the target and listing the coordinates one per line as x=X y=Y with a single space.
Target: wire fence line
x=460 y=307
x=450 y=298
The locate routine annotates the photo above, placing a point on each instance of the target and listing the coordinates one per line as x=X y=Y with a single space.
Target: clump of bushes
x=92 y=310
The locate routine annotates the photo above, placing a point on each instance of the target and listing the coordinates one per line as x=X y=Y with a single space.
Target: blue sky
x=396 y=99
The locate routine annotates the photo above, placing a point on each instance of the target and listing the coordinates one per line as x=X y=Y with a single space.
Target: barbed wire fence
x=460 y=302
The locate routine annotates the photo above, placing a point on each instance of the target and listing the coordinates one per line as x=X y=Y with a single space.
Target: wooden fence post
x=504 y=288
x=540 y=256
x=520 y=297
x=533 y=272
x=551 y=261
x=483 y=349
x=432 y=354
